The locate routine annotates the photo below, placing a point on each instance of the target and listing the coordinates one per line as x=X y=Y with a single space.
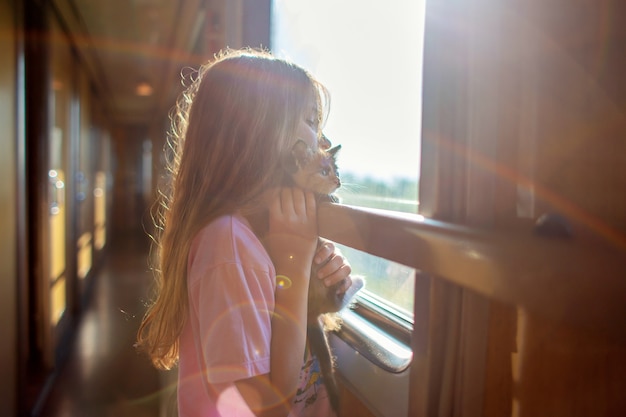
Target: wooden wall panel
x=525 y=113
x=8 y=212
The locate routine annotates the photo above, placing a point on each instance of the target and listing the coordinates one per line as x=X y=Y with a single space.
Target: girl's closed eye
x=312 y=118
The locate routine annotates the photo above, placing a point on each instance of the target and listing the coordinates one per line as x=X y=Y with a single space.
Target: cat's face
x=316 y=171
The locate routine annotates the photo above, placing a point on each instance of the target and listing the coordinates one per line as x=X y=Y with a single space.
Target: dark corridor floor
x=104 y=375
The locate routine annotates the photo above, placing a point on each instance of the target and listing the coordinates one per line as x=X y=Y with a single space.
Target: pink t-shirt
x=231 y=284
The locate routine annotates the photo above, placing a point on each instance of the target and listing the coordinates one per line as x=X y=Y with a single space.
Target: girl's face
x=308 y=131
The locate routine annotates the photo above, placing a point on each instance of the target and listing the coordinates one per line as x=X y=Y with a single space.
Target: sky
x=368 y=54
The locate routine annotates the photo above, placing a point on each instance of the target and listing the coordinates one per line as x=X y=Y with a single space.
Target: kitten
x=317 y=172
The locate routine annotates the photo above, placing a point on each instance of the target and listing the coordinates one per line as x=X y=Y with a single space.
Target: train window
x=369 y=56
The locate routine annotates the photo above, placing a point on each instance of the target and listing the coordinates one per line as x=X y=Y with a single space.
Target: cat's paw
x=358 y=283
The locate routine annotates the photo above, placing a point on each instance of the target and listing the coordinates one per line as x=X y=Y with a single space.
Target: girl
x=236 y=250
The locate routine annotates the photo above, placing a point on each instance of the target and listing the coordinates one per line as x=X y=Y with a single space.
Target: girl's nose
x=324 y=142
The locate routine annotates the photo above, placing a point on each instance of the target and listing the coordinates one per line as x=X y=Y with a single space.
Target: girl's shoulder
x=225 y=226
x=228 y=239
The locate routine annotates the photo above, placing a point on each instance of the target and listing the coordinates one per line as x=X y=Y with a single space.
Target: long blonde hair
x=229 y=131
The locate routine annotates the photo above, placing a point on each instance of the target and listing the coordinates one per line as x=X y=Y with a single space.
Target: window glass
x=369 y=55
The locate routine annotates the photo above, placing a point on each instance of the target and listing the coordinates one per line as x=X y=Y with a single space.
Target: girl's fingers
x=324 y=252
x=294 y=201
x=275 y=204
x=334 y=271
x=311 y=206
x=286 y=201
x=334 y=268
x=293 y=212
x=298 y=201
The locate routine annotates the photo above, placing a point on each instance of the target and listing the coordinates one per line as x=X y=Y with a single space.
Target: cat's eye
x=325 y=172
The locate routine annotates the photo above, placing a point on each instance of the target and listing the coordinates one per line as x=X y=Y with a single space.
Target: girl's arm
x=291 y=244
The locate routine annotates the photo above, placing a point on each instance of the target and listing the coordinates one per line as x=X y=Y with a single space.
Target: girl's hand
x=292 y=234
x=333 y=267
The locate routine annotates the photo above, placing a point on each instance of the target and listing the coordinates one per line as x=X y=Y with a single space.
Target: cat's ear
x=298 y=157
x=301 y=153
x=333 y=151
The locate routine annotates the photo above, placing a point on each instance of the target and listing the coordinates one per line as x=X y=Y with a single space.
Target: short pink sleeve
x=234 y=306
x=231 y=292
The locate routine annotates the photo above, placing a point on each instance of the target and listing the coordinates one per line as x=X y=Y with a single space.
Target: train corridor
x=104 y=375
